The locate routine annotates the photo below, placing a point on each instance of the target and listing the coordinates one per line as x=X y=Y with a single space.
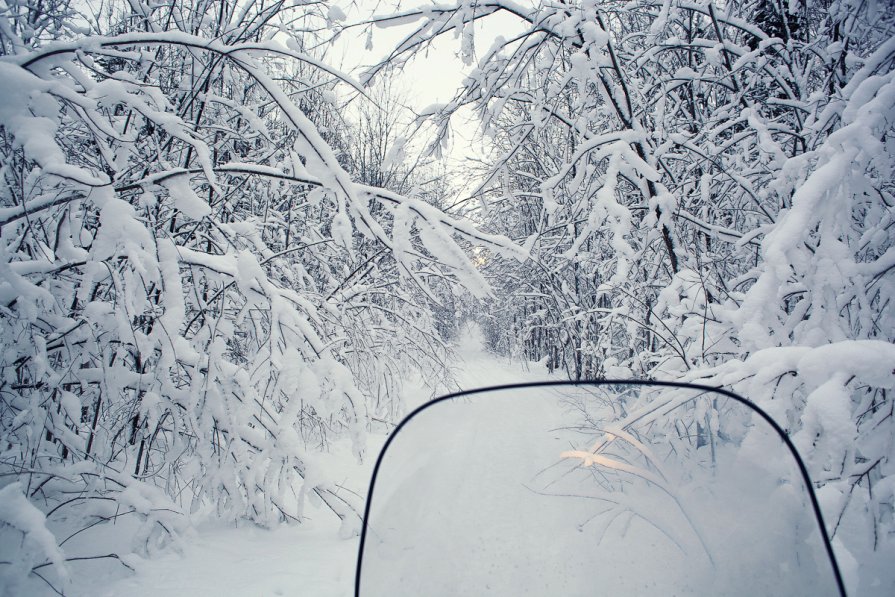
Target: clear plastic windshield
x=591 y=490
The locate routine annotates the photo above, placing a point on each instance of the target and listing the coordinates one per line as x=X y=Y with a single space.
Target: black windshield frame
x=803 y=470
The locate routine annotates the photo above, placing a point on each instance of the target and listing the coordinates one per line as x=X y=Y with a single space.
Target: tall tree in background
x=707 y=191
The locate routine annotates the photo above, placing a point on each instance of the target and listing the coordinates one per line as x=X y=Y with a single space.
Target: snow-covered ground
x=214 y=559
x=309 y=559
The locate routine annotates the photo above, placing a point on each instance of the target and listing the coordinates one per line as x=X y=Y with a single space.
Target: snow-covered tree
x=184 y=316
x=707 y=191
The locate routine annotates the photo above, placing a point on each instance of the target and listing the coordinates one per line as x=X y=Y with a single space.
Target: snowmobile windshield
x=592 y=489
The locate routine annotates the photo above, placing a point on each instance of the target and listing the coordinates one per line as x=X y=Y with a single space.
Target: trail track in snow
x=290 y=560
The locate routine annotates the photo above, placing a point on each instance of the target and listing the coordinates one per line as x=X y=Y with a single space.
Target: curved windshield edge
x=803 y=470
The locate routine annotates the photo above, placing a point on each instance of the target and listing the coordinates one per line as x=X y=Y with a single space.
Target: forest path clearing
x=309 y=560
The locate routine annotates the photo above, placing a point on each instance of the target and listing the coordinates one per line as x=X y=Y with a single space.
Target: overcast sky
x=431 y=78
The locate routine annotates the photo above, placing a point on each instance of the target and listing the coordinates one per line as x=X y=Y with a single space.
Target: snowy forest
x=222 y=254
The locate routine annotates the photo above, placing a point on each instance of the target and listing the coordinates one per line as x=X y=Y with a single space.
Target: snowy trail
x=478 y=368
x=250 y=562
x=311 y=559
x=308 y=560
